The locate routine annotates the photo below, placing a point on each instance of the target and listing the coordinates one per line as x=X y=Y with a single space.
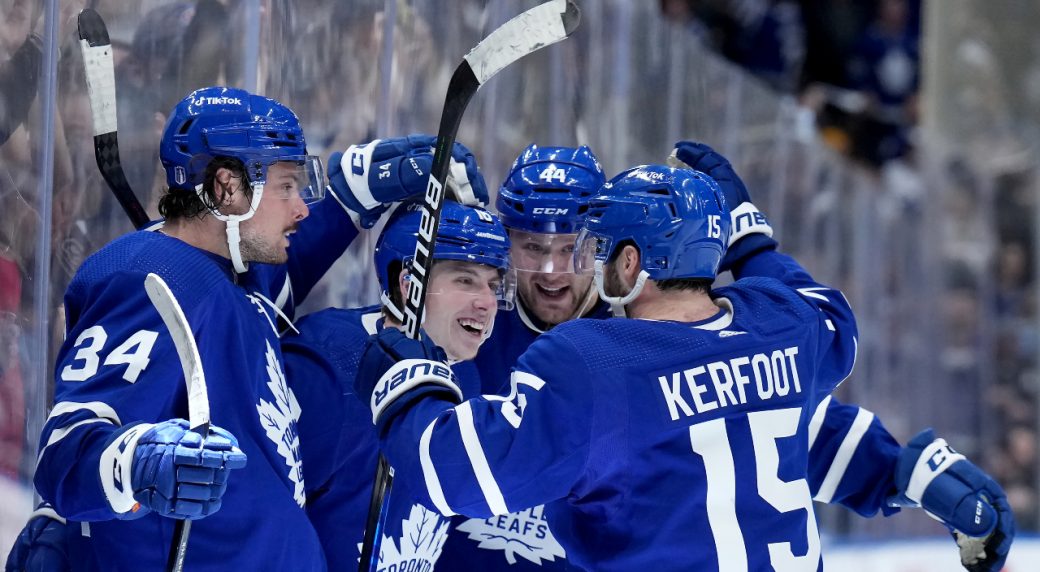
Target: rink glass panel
x=938 y=261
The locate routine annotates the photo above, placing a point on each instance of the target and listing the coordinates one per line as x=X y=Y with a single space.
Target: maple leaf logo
x=423 y=535
x=280 y=419
x=524 y=534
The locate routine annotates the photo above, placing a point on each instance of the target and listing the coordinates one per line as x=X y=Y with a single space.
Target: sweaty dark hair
x=186 y=203
x=694 y=284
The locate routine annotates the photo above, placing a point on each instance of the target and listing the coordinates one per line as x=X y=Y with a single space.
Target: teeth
x=552 y=290
x=470 y=323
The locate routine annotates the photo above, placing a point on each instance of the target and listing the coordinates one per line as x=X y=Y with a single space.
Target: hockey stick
x=543 y=25
x=101 y=88
x=198 y=400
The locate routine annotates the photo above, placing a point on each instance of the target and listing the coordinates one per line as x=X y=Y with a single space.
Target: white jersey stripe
x=492 y=494
x=433 y=482
x=100 y=409
x=844 y=456
x=59 y=434
x=817 y=420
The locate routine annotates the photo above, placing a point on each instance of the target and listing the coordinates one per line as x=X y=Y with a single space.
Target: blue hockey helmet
x=548 y=189
x=678 y=218
x=229 y=122
x=467 y=234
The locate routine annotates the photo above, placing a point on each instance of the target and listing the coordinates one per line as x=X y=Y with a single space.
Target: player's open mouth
x=472 y=326
x=553 y=293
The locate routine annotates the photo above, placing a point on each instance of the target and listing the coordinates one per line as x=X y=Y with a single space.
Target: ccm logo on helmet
x=548 y=211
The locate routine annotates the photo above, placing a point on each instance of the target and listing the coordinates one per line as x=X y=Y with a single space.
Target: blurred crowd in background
x=928 y=225
x=855 y=64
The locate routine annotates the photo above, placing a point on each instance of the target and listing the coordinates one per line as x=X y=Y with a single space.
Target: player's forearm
x=851 y=459
x=770 y=263
x=425 y=446
x=68 y=472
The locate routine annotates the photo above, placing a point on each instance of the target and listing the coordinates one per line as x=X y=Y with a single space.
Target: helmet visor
x=302 y=177
x=470 y=283
x=590 y=247
x=542 y=252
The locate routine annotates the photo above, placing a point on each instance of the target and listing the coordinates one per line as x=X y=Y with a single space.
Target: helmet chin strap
x=391 y=307
x=231 y=225
x=618 y=303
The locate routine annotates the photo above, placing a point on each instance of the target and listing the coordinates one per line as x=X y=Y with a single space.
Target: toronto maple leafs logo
x=280 y=421
x=423 y=535
x=525 y=534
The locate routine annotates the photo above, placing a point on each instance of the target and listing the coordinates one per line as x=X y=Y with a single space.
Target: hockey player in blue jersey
x=116 y=453
x=852 y=458
x=542 y=204
x=469 y=281
x=687 y=420
x=222 y=149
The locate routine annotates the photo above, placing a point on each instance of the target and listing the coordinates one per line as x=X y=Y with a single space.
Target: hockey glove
x=751 y=231
x=172 y=470
x=369 y=178
x=41 y=546
x=959 y=494
x=396 y=370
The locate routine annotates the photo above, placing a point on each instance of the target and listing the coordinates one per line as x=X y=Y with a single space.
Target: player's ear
x=223 y=186
x=629 y=263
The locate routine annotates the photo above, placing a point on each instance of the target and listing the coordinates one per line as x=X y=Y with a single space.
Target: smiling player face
x=546 y=282
x=461 y=305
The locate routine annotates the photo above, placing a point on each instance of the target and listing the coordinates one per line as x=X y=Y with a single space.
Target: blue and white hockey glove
x=930 y=474
x=369 y=178
x=751 y=230
x=396 y=370
x=170 y=469
x=41 y=546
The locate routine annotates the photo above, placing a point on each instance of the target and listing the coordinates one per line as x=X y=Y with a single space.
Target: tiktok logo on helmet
x=202 y=100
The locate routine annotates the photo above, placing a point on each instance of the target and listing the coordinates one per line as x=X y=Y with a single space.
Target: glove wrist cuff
x=354 y=164
x=115 y=468
x=405 y=376
x=747 y=219
x=932 y=462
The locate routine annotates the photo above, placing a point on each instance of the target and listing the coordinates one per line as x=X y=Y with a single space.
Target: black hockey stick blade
x=101 y=88
x=541 y=26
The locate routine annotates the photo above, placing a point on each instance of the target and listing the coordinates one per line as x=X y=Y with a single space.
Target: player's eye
x=533 y=248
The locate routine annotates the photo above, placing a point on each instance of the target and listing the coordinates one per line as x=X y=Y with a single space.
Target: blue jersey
x=654 y=444
x=340 y=448
x=118 y=366
x=852 y=456
x=523 y=540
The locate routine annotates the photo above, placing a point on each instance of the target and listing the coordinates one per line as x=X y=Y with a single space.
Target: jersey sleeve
x=852 y=458
x=118 y=367
x=496 y=454
x=838 y=343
